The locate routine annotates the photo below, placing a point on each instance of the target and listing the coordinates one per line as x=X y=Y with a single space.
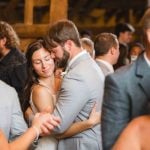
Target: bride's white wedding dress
x=48 y=142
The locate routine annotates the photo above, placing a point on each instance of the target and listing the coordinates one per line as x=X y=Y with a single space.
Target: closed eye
x=37 y=61
x=47 y=58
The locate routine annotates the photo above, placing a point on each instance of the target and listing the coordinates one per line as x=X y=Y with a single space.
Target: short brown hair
x=6 y=31
x=103 y=42
x=62 y=31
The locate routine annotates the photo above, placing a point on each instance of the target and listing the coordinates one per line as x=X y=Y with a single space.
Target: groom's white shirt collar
x=75 y=58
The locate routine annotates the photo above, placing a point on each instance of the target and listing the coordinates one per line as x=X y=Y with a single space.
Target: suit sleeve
x=73 y=96
x=115 y=111
x=18 y=125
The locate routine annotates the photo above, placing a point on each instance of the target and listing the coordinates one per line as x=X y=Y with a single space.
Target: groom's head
x=62 y=39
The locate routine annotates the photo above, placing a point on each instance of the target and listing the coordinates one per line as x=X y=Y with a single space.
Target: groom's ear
x=68 y=45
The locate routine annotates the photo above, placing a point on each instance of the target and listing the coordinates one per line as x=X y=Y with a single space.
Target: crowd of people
x=71 y=92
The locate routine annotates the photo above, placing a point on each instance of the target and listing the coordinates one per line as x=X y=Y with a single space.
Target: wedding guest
x=10 y=58
x=106 y=51
x=135 y=135
x=88 y=45
x=135 y=50
x=11 y=121
x=124 y=32
x=126 y=94
x=24 y=141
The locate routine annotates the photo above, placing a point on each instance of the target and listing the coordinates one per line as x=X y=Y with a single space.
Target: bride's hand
x=94 y=117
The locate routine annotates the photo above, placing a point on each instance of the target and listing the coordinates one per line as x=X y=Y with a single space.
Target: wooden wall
x=29 y=31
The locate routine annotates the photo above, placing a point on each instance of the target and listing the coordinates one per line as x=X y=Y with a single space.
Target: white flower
x=63 y=73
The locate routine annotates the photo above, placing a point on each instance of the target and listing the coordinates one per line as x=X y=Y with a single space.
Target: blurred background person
x=126 y=94
x=86 y=34
x=135 y=136
x=106 y=48
x=88 y=45
x=31 y=135
x=124 y=32
x=135 y=50
x=11 y=57
x=11 y=121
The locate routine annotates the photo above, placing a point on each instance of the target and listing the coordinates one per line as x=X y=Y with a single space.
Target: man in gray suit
x=81 y=87
x=106 y=48
x=11 y=119
x=126 y=94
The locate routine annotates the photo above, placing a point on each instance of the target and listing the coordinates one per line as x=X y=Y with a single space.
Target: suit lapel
x=143 y=72
x=145 y=83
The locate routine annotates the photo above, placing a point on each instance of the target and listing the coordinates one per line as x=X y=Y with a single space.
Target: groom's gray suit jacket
x=81 y=87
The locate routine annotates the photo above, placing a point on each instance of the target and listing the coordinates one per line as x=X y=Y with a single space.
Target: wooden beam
x=31 y=31
x=58 y=10
x=28 y=12
x=40 y=3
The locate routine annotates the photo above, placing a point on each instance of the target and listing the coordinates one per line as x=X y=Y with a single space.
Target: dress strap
x=50 y=92
x=32 y=104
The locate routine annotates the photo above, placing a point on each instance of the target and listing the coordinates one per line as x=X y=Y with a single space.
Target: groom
x=81 y=87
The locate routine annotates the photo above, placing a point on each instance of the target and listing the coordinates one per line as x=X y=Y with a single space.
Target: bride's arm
x=78 y=127
x=42 y=99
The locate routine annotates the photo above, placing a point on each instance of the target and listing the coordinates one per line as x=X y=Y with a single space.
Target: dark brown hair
x=62 y=31
x=32 y=77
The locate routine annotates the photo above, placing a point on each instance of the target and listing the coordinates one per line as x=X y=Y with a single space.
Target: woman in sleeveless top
x=41 y=93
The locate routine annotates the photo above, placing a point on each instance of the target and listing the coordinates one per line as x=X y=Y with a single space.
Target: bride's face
x=42 y=63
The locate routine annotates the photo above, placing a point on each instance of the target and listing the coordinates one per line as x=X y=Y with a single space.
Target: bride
x=41 y=92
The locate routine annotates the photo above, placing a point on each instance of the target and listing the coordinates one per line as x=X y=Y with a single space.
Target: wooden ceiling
x=118 y=8
x=95 y=15
x=13 y=10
